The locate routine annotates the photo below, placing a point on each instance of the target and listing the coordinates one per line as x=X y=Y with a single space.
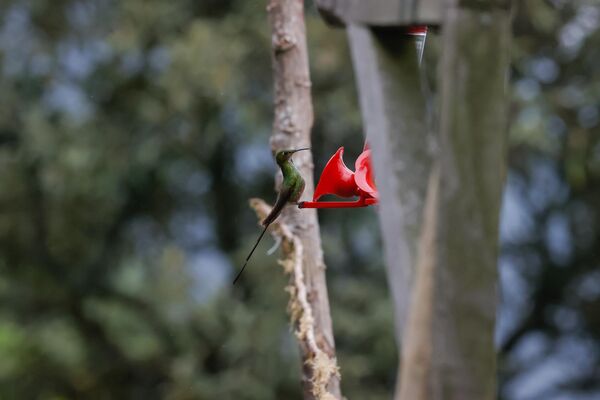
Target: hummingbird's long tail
x=251 y=252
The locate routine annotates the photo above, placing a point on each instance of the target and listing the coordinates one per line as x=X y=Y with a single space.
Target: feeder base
x=338 y=204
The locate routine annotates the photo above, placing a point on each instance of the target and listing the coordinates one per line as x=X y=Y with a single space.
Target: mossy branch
x=323 y=366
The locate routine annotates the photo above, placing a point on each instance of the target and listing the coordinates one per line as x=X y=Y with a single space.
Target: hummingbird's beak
x=305 y=148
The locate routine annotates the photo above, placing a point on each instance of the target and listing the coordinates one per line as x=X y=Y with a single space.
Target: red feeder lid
x=417 y=30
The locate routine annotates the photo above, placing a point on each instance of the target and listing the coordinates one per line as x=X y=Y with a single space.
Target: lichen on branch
x=323 y=365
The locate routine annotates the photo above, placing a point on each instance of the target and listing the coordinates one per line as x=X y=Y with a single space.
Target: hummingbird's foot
x=275 y=246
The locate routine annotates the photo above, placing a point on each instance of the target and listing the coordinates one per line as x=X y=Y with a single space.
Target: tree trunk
x=292 y=125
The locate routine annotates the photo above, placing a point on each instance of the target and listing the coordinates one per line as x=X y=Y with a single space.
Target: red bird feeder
x=339 y=180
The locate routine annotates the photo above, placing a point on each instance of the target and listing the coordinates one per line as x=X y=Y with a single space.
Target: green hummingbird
x=291 y=190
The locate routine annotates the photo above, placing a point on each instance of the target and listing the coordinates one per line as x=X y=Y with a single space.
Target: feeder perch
x=337 y=179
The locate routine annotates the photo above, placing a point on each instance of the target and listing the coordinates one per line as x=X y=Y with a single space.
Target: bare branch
x=292 y=125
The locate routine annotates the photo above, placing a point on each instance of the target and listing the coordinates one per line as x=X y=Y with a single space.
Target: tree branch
x=324 y=367
x=292 y=125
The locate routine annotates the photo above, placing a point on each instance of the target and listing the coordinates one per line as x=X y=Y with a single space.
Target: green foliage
x=131 y=135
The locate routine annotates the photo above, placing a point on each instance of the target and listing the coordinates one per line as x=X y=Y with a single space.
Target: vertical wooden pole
x=417 y=345
x=394 y=118
x=473 y=80
x=457 y=354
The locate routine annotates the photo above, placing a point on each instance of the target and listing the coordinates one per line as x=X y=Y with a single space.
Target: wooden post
x=456 y=358
x=292 y=125
x=394 y=118
x=381 y=12
x=417 y=345
x=473 y=81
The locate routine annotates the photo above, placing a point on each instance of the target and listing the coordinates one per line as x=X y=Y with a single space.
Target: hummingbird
x=290 y=192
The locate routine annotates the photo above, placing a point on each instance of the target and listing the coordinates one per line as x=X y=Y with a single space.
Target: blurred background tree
x=131 y=135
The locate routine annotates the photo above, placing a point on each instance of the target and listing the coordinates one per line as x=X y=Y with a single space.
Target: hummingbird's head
x=284 y=155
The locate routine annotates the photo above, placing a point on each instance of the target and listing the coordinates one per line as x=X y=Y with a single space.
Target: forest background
x=132 y=134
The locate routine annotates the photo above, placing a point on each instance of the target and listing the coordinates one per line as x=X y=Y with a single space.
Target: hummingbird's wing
x=282 y=199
